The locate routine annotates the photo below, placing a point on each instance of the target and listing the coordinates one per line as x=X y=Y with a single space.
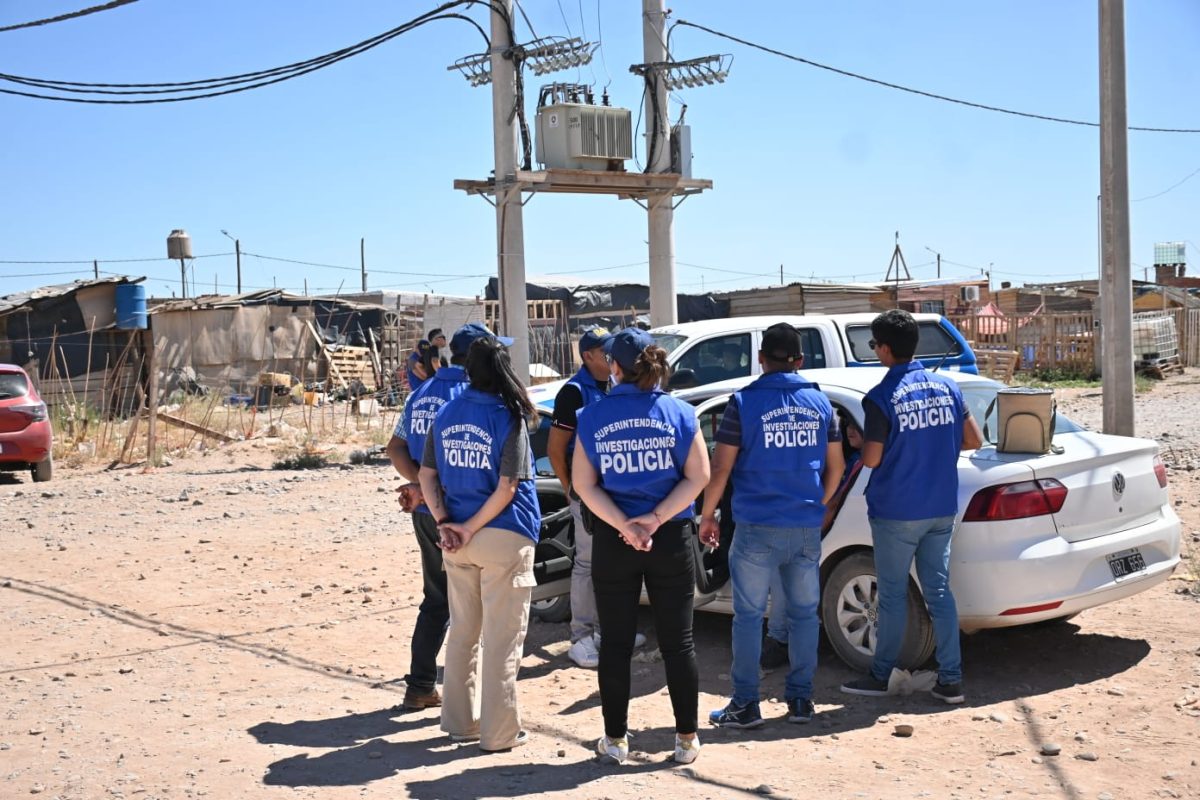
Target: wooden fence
x=1065 y=341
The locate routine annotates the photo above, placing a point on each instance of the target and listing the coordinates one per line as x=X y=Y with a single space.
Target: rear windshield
x=934 y=343
x=979 y=397
x=13 y=384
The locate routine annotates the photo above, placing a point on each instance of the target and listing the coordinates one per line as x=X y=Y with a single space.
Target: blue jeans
x=758 y=553
x=897 y=543
x=777 y=624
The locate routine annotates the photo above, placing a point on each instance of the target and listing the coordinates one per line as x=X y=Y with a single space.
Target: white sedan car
x=1038 y=537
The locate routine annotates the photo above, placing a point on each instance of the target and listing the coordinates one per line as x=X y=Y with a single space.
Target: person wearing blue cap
x=639 y=464
x=587 y=386
x=425 y=359
x=405 y=450
x=780 y=441
x=477 y=478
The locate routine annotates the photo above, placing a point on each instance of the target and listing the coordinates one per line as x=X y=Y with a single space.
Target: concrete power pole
x=660 y=209
x=1116 y=292
x=510 y=230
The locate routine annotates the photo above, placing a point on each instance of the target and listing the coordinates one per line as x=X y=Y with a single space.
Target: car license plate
x=1126 y=563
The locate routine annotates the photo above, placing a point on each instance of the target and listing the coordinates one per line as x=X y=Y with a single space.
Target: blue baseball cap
x=593 y=338
x=627 y=345
x=465 y=336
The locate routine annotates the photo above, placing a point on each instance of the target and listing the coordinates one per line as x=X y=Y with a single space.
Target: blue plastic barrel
x=131 y=306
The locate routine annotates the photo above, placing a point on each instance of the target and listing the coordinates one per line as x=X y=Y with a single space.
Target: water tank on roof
x=131 y=306
x=179 y=245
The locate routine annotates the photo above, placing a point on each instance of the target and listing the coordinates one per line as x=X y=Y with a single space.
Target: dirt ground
x=219 y=629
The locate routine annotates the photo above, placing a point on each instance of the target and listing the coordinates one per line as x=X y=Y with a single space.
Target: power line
x=234 y=83
x=920 y=92
x=83 y=12
x=1172 y=187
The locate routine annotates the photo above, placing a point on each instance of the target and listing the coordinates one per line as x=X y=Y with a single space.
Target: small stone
x=37 y=788
x=1036 y=759
x=305 y=594
x=36 y=731
x=1087 y=756
x=978 y=717
x=366 y=598
x=764 y=788
x=1104 y=796
x=197 y=502
x=1169 y=776
x=1051 y=749
x=62 y=547
x=561 y=753
x=125 y=670
x=997 y=716
x=1116 y=692
x=1080 y=737
x=233 y=491
x=885 y=719
x=904 y=730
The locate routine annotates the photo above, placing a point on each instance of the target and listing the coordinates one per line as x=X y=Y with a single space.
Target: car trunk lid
x=1110 y=480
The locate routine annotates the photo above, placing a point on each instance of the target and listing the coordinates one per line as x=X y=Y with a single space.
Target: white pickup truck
x=716 y=350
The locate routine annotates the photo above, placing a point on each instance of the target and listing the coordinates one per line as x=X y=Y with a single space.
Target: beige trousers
x=490 y=582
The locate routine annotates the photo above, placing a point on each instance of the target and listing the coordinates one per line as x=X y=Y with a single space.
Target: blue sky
x=812 y=170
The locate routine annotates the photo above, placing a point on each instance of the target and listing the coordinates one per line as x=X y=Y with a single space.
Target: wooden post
x=151 y=397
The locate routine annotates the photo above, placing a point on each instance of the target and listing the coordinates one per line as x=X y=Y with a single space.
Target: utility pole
x=660 y=208
x=237 y=249
x=362 y=260
x=510 y=229
x=1116 y=293
x=96 y=269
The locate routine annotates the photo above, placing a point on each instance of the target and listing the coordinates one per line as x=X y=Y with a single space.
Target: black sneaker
x=774 y=654
x=951 y=693
x=800 y=710
x=870 y=686
x=735 y=716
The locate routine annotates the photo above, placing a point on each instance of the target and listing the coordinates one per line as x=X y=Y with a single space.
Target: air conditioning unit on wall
x=582 y=136
x=969 y=294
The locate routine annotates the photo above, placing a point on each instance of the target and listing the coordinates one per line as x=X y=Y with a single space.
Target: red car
x=25 y=435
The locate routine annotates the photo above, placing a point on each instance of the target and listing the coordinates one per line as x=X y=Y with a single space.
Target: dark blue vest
x=471 y=430
x=918 y=476
x=785 y=435
x=637 y=442
x=589 y=391
x=423 y=406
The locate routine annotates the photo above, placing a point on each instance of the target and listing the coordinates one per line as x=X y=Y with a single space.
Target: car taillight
x=36 y=412
x=1160 y=472
x=1016 y=501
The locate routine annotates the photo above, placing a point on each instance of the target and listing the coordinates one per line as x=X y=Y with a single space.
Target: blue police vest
x=423 y=406
x=589 y=391
x=471 y=430
x=638 y=442
x=918 y=476
x=777 y=478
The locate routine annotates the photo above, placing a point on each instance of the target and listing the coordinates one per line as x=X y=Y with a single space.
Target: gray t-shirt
x=515 y=456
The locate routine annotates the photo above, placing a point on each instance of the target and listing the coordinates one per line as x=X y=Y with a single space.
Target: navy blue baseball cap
x=593 y=338
x=465 y=336
x=627 y=345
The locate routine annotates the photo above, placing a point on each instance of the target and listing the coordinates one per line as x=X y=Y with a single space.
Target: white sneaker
x=613 y=751
x=584 y=653
x=638 y=640
x=686 y=750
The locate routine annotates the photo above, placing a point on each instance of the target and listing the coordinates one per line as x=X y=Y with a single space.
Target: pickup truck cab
x=715 y=350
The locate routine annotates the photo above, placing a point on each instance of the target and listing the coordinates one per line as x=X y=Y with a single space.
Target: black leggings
x=668 y=571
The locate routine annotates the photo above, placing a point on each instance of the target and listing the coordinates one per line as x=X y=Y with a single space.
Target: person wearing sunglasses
x=639 y=463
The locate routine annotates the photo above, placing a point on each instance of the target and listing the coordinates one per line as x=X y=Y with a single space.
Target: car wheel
x=552 y=609
x=43 y=470
x=849 y=605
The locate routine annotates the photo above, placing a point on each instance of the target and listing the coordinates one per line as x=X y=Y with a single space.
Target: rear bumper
x=1074 y=574
x=28 y=446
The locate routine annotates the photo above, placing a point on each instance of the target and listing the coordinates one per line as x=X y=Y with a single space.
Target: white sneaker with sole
x=613 y=751
x=686 y=750
x=584 y=653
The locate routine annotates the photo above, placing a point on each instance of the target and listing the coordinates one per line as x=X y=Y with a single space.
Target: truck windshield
x=669 y=341
x=934 y=342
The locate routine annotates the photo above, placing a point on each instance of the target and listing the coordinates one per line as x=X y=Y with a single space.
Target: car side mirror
x=682 y=379
x=543 y=468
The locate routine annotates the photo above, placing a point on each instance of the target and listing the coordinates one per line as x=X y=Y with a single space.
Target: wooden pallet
x=352 y=363
x=998 y=364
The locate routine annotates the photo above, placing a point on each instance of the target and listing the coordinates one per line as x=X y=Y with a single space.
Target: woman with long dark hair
x=639 y=463
x=477 y=478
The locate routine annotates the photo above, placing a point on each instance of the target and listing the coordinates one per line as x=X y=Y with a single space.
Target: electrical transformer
x=584 y=136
